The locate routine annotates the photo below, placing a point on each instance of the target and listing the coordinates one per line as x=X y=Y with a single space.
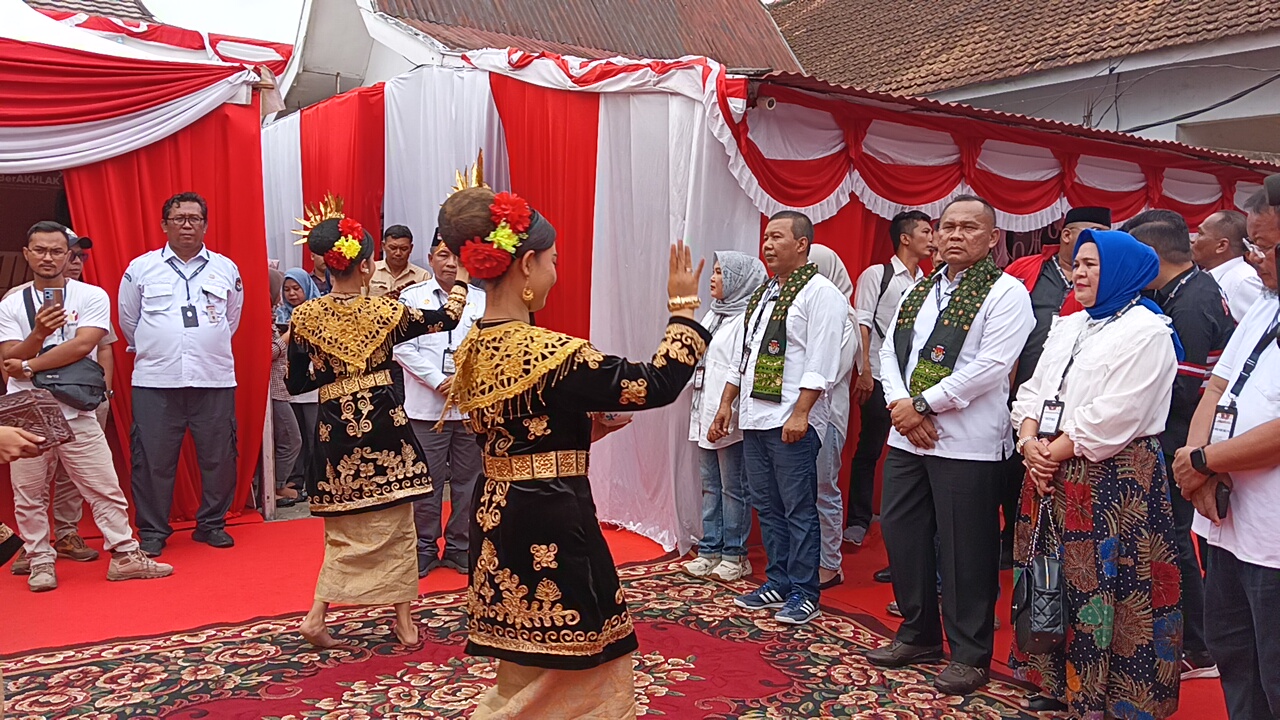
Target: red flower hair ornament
x=489 y=258
x=484 y=260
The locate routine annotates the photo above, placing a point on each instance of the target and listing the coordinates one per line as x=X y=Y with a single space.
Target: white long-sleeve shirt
x=875 y=311
x=152 y=297
x=972 y=403
x=423 y=357
x=1118 y=387
x=1240 y=284
x=724 y=350
x=815 y=328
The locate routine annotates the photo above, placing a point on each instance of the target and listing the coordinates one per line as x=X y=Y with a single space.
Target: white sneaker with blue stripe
x=798 y=610
x=763 y=597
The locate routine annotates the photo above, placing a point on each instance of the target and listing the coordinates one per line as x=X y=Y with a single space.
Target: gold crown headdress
x=327 y=209
x=470 y=177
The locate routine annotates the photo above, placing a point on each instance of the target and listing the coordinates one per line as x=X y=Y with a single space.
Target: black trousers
x=161 y=418
x=1241 y=633
x=1192 y=577
x=1012 y=473
x=862 y=474
x=959 y=500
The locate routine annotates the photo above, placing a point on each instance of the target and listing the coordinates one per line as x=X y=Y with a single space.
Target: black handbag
x=1040 y=596
x=81 y=385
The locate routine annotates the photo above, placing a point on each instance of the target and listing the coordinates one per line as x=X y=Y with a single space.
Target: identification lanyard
x=1051 y=413
x=938 y=294
x=447 y=364
x=185 y=278
x=1174 y=292
x=699 y=372
x=771 y=294
x=1224 y=417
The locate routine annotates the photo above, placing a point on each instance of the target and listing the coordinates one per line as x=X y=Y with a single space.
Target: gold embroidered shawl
x=351 y=332
x=501 y=368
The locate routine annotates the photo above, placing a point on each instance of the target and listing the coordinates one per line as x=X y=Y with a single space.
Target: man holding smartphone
x=52 y=325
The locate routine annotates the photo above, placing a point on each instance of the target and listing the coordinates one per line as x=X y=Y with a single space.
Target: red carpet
x=271 y=572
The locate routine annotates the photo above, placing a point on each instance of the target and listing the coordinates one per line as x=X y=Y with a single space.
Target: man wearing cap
x=179 y=307
x=394 y=272
x=1047 y=277
x=1219 y=248
x=68 y=504
x=452 y=455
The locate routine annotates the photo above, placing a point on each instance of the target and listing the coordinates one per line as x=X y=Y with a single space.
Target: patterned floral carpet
x=700 y=658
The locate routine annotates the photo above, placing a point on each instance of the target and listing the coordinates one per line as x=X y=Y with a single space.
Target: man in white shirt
x=880 y=288
x=1234 y=441
x=452 y=454
x=945 y=367
x=179 y=307
x=54 y=324
x=1219 y=248
x=790 y=359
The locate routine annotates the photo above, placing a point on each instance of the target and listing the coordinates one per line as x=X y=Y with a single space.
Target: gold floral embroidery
x=353 y=332
x=362 y=401
x=681 y=344
x=494 y=498
x=620 y=597
x=544 y=556
x=353 y=384
x=6 y=532
x=369 y=473
x=505 y=599
x=537 y=427
x=634 y=392
x=551 y=642
x=323 y=431
x=398 y=417
x=498 y=442
x=457 y=301
x=591 y=356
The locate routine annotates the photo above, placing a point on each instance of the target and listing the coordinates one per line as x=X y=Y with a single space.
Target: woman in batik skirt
x=544 y=597
x=374 y=468
x=1103 y=477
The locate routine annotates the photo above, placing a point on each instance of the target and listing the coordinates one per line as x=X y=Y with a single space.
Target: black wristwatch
x=921 y=405
x=1199 y=462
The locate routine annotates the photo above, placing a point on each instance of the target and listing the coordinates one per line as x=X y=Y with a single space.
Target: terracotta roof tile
x=119 y=9
x=738 y=33
x=915 y=47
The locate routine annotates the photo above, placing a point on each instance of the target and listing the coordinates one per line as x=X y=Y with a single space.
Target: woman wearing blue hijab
x=299 y=287
x=1088 y=423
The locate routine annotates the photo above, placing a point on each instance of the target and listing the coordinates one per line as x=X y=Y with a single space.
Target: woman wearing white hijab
x=830 y=506
x=726 y=516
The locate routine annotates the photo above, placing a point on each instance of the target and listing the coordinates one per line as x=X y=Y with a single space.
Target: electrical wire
x=1201 y=111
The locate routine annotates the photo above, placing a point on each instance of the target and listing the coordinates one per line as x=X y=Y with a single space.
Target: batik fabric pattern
x=772 y=358
x=1123 y=649
x=544 y=589
x=342 y=347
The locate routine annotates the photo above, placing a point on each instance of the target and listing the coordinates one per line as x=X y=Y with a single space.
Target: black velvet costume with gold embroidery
x=343 y=348
x=544 y=589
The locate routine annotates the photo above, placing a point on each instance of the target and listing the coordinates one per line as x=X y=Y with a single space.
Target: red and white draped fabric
x=128 y=131
x=624 y=156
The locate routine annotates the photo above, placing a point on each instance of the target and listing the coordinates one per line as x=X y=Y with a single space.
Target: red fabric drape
x=909 y=184
x=344 y=153
x=551 y=143
x=90 y=86
x=118 y=203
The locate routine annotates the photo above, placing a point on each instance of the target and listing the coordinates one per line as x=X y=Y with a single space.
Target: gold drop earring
x=527 y=296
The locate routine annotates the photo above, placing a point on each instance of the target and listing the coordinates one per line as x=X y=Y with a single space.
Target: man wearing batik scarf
x=945 y=371
x=790 y=359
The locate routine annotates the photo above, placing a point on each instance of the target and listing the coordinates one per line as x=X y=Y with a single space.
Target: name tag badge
x=1050 y=418
x=1224 y=424
x=212 y=311
x=189 y=317
x=746 y=362
x=698 y=375
x=447 y=366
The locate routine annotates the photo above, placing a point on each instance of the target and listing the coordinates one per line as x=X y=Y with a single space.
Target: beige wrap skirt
x=370 y=558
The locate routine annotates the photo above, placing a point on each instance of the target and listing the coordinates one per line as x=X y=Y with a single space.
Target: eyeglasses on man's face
x=182 y=220
x=51 y=253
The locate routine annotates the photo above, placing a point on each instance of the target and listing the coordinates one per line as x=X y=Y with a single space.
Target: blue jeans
x=726 y=518
x=782 y=481
x=1240 y=597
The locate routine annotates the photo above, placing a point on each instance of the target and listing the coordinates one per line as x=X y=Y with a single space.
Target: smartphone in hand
x=52 y=297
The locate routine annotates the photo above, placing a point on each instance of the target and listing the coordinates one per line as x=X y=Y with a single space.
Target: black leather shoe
x=1042 y=704
x=899 y=654
x=960 y=679
x=213 y=538
x=427 y=563
x=151 y=548
x=882 y=576
x=458 y=562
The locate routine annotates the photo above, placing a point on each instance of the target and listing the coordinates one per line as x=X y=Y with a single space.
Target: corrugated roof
x=915 y=47
x=119 y=9
x=738 y=33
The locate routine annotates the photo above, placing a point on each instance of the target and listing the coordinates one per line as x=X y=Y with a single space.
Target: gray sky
x=275 y=20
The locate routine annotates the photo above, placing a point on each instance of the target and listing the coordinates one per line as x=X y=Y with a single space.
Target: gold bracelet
x=688 y=302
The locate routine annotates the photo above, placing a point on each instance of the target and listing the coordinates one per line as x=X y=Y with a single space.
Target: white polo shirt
x=87 y=306
x=423 y=356
x=1240 y=284
x=1251 y=530
x=154 y=291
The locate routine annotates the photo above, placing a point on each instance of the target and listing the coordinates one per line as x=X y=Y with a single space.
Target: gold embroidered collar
x=350 y=331
x=502 y=363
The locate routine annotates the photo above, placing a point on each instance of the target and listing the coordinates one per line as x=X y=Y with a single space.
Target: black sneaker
x=763 y=597
x=1198 y=667
x=427 y=563
x=457 y=561
x=213 y=538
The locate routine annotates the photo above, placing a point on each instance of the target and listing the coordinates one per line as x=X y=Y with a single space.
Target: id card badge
x=698 y=375
x=447 y=366
x=1050 y=418
x=189 y=317
x=1224 y=424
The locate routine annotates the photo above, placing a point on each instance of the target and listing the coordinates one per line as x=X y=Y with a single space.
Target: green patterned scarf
x=772 y=357
x=938 y=357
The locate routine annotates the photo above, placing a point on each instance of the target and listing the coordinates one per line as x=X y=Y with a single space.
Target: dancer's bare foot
x=408 y=634
x=318 y=634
